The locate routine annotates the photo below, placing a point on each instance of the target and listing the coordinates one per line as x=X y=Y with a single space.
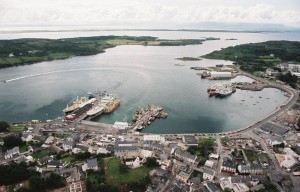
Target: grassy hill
x=256 y=56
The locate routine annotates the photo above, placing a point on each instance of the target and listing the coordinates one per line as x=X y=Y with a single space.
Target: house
x=12 y=153
x=183 y=176
x=276 y=176
x=65 y=171
x=211 y=187
x=237 y=184
x=190 y=140
x=91 y=164
x=55 y=149
x=288 y=162
x=39 y=138
x=244 y=169
x=43 y=161
x=275 y=140
x=209 y=163
x=186 y=157
x=214 y=156
x=56 y=164
x=126 y=149
x=74 y=176
x=68 y=145
x=208 y=174
x=228 y=166
x=289 y=151
x=259 y=187
x=23 y=158
x=26 y=137
x=271 y=72
x=256 y=169
x=195 y=182
x=153 y=145
x=154 y=137
x=102 y=151
x=49 y=141
x=263 y=160
x=135 y=163
x=83 y=147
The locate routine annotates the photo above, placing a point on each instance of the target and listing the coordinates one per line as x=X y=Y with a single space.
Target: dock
x=144 y=117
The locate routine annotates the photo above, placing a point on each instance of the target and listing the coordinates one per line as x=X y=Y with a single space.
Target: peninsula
x=259 y=56
x=27 y=51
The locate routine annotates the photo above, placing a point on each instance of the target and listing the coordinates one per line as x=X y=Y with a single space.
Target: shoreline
x=292 y=99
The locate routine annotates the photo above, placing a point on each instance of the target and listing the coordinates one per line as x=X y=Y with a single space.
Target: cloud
x=90 y=12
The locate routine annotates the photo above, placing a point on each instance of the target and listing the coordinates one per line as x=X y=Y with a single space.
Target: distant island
x=259 y=56
x=27 y=51
x=189 y=58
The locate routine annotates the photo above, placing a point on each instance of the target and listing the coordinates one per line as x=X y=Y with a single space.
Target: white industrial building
x=220 y=75
x=154 y=138
x=120 y=125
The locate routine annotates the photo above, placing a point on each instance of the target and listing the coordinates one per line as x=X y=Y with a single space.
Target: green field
x=16 y=128
x=113 y=174
x=251 y=155
x=42 y=153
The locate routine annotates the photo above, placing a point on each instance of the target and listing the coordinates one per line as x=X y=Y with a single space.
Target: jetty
x=144 y=117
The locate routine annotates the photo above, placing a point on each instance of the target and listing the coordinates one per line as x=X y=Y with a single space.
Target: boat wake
x=41 y=74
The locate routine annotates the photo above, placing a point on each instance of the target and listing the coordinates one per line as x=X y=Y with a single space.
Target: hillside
x=27 y=51
x=259 y=56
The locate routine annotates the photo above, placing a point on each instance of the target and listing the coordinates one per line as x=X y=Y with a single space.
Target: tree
x=54 y=181
x=83 y=156
x=12 y=141
x=4 y=126
x=14 y=173
x=151 y=162
x=36 y=183
x=227 y=190
x=23 y=189
x=123 y=168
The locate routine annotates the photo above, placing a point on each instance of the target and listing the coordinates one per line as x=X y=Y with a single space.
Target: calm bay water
x=140 y=76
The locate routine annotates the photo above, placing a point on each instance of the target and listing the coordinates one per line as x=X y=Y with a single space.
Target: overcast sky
x=153 y=13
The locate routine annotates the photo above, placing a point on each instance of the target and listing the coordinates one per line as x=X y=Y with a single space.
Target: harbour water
x=139 y=75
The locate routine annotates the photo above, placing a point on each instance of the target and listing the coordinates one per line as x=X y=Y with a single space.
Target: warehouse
x=220 y=75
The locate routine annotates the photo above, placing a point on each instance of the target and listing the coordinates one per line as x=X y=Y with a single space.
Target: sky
x=148 y=13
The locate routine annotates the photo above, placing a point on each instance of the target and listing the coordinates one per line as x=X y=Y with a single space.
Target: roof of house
x=65 y=170
x=262 y=159
x=228 y=163
x=195 y=180
x=276 y=139
x=56 y=163
x=208 y=171
x=83 y=147
x=189 y=139
x=256 y=167
x=237 y=179
x=12 y=151
x=44 y=160
x=92 y=163
x=244 y=168
x=21 y=159
x=271 y=127
x=212 y=187
x=69 y=143
x=276 y=176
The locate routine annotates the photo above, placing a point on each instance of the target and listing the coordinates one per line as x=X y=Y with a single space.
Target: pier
x=144 y=117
